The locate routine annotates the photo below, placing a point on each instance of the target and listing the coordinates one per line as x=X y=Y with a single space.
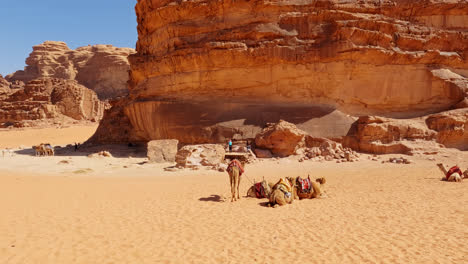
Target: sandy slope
x=54 y=136
x=375 y=213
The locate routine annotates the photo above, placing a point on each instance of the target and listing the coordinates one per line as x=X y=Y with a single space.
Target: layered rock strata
x=4 y=86
x=385 y=135
x=47 y=98
x=102 y=68
x=208 y=70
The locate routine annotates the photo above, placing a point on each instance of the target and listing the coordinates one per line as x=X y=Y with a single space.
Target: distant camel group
x=44 y=149
x=285 y=191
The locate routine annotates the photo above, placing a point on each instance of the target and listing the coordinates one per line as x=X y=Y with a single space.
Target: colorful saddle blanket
x=259 y=190
x=284 y=186
x=306 y=185
x=235 y=163
x=454 y=169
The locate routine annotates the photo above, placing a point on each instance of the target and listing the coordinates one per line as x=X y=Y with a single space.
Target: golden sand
x=122 y=210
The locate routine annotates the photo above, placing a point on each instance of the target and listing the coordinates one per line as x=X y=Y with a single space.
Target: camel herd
x=283 y=192
x=43 y=150
x=288 y=189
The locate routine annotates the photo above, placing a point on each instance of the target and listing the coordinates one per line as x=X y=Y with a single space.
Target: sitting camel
x=307 y=189
x=284 y=192
x=454 y=174
x=235 y=170
x=261 y=189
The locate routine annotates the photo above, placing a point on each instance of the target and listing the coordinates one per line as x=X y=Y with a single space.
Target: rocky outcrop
x=102 y=68
x=46 y=98
x=451 y=127
x=200 y=155
x=208 y=70
x=160 y=151
x=4 y=86
x=385 y=135
x=282 y=139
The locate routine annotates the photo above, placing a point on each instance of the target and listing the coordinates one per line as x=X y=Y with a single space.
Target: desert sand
x=75 y=209
x=56 y=136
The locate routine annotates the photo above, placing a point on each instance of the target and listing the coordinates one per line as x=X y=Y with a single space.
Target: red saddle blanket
x=454 y=169
x=259 y=190
x=235 y=163
x=305 y=184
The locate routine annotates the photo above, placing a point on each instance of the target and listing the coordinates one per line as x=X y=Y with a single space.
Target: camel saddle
x=306 y=184
x=259 y=190
x=454 y=169
x=235 y=163
x=284 y=186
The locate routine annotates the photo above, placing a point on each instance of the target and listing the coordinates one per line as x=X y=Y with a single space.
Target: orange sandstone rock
x=102 y=68
x=50 y=98
x=206 y=70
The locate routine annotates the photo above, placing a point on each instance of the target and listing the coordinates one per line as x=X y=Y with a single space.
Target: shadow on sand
x=212 y=198
x=264 y=204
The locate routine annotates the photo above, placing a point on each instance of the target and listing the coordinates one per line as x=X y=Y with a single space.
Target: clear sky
x=25 y=23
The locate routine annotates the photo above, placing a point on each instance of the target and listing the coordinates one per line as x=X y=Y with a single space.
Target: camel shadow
x=264 y=204
x=212 y=198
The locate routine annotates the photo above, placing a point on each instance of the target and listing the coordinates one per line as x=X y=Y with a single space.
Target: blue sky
x=25 y=23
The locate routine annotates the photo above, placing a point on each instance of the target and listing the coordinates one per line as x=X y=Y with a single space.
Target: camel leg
x=231 y=179
x=235 y=179
x=238 y=184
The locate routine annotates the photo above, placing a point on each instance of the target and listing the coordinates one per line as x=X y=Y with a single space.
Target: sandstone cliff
x=206 y=70
x=48 y=98
x=4 y=86
x=102 y=68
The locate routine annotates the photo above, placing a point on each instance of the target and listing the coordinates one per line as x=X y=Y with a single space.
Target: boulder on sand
x=282 y=139
x=160 y=151
x=200 y=155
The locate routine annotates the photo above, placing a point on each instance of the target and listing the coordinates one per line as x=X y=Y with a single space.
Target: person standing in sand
x=230 y=145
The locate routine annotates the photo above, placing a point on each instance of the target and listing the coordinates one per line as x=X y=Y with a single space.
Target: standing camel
x=235 y=170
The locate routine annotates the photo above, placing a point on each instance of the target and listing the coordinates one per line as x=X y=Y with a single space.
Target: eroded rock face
x=51 y=98
x=452 y=128
x=4 y=86
x=385 y=135
x=206 y=70
x=102 y=68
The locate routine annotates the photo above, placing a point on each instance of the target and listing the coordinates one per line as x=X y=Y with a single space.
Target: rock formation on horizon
x=206 y=71
x=49 y=98
x=101 y=68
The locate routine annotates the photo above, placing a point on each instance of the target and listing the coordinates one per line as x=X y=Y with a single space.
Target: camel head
x=266 y=187
x=321 y=180
x=442 y=168
x=292 y=181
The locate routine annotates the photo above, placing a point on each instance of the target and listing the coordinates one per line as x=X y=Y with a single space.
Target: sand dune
x=126 y=211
